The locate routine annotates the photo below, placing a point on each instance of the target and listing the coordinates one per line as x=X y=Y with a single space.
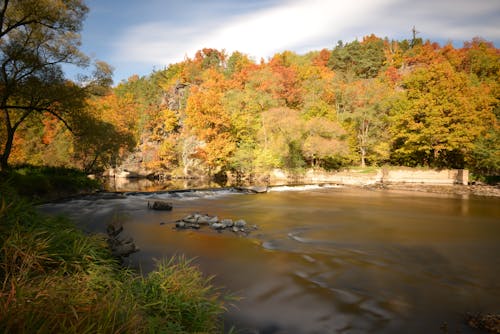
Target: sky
x=137 y=37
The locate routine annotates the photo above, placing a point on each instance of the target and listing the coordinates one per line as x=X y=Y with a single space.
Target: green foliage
x=369 y=102
x=43 y=183
x=55 y=279
x=436 y=121
x=364 y=59
x=176 y=298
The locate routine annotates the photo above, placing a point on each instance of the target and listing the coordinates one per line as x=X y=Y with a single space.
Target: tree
x=438 y=117
x=207 y=118
x=363 y=59
x=36 y=37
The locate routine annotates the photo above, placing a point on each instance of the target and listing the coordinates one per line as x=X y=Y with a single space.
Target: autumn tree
x=209 y=121
x=438 y=117
x=36 y=37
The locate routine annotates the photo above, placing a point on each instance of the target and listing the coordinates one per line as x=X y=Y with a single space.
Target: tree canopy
x=372 y=101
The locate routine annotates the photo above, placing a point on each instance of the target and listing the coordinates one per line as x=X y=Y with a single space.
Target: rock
x=160 y=205
x=112 y=230
x=191 y=219
x=217 y=226
x=196 y=220
x=119 y=247
x=207 y=220
x=486 y=322
x=124 y=249
x=226 y=223
x=184 y=225
x=240 y=223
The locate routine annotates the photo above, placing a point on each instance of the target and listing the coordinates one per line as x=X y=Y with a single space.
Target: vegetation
x=56 y=279
x=45 y=183
x=36 y=38
x=372 y=102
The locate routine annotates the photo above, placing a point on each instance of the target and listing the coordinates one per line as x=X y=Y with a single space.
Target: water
x=326 y=260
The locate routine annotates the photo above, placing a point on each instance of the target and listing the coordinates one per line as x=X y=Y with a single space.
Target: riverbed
x=324 y=259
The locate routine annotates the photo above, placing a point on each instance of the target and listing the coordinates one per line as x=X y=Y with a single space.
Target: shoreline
x=437 y=189
x=459 y=190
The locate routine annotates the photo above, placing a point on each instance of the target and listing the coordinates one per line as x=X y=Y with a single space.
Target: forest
x=368 y=102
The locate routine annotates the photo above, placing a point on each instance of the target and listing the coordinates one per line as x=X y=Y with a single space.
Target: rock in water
x=184 y=225
x=207 y=220
x=240 y=223
x=227 y=223
x=159 y=205
x=217 y=226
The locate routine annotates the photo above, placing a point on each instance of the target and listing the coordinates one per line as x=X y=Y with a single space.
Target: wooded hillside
x=368 y=102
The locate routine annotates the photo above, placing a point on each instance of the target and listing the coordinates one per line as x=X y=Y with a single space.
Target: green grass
x=56 y=279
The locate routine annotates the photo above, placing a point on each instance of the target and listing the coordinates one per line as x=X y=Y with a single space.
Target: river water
x=325 y=259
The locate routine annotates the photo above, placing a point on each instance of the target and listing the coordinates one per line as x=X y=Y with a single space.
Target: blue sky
x=136 y=37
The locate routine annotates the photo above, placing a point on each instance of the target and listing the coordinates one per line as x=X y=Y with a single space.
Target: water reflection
x=328 y=260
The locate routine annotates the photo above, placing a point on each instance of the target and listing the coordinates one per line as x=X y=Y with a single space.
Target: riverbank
x=55 y=278
x=41 y=184
x=460 y=190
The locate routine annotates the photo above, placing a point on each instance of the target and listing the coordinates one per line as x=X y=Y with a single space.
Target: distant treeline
x=370 y=102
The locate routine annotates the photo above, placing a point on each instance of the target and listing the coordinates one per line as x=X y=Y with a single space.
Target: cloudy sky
x=136 y=37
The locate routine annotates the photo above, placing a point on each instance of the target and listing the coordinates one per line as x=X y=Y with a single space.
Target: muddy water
x=327 y=260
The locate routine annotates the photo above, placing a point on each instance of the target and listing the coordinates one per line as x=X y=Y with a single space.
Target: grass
x=54 y=278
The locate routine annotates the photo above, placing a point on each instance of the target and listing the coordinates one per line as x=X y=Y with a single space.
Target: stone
x=180 y=224
x=206 y=219
x=191 y=219
x=217 y=226
x=112 y=230
x=240 y=223
x=184 y=225
x=160 y=205
x=124 y=249
x=226 y=223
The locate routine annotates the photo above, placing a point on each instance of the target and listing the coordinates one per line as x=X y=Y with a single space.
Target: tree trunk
x=4 y=158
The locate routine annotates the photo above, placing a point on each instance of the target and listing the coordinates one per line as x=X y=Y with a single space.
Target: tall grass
x=55 y=279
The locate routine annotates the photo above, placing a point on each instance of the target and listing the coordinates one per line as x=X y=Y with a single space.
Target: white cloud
x=302 y=25
x=259 y=34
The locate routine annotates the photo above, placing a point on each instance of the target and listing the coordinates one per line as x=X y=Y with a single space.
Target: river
x=325 y=259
